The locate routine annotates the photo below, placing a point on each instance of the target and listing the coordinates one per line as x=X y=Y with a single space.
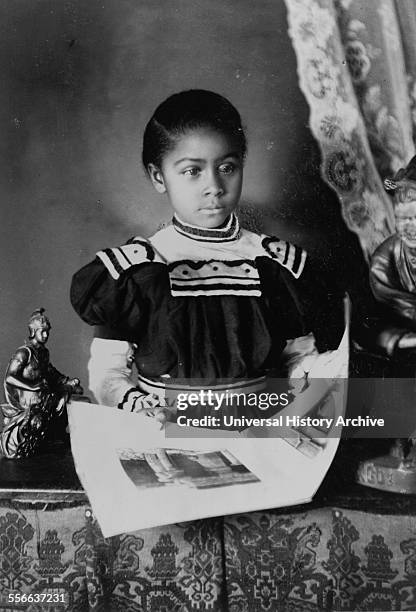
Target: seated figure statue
x=393 y=266
x=36 y=393
x=393 y=283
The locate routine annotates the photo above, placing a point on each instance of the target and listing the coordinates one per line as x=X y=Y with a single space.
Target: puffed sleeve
x=320 y=304
x=312 y=296
x=113 y=293
x=107 y=292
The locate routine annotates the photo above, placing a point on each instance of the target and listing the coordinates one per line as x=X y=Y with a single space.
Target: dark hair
x=185 y=111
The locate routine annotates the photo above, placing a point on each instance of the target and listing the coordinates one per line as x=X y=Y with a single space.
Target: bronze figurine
x=393 y=283
x=36 y=393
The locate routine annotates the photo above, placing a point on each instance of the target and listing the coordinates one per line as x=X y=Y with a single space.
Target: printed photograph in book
x=192 y=468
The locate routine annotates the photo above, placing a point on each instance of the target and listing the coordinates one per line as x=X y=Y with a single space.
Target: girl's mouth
x=211 y=210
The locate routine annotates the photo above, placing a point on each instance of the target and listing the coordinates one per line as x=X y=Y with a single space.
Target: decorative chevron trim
x=119 y=259
x=134 y=400
x=288 y=255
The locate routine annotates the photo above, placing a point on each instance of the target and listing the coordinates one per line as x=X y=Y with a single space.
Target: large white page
x=137 y=477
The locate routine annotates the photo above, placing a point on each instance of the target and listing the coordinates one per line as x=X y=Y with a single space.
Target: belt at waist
x=228 y=399
x=248 y=385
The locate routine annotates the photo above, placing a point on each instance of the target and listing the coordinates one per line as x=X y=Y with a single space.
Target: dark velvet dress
x=207 y=304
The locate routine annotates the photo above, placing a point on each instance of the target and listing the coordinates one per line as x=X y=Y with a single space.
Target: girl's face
x=202 y=177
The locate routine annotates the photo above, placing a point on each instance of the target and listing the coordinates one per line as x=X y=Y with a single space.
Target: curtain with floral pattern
x=357 y=69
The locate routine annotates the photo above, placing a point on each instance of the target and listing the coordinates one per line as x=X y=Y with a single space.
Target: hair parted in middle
x=183 y=112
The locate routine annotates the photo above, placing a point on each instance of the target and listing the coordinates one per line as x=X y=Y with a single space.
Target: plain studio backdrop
x=79 y=82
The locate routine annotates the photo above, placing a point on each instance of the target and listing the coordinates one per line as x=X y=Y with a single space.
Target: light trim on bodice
x=227 y=232
x=213 y=277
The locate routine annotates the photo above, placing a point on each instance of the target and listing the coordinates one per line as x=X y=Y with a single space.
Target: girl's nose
x=213 y=185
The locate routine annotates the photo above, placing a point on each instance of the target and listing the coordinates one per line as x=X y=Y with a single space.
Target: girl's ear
x=156 y=177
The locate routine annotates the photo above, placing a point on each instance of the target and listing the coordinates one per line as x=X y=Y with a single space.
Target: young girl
x=202 y=298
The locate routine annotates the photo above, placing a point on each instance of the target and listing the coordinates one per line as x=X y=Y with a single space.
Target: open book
x=138 y=476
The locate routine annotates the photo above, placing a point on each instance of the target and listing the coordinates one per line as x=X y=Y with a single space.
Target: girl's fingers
x=161 y=416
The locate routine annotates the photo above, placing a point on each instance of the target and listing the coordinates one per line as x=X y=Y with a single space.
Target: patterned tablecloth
x=304 y=559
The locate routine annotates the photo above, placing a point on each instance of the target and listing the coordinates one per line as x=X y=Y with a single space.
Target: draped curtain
x=357 y=69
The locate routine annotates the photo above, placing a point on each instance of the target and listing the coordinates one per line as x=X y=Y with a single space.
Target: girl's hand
x=160 y=414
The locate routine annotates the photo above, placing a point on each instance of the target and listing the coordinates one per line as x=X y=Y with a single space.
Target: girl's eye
x=226 y=168
x=191 y=171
